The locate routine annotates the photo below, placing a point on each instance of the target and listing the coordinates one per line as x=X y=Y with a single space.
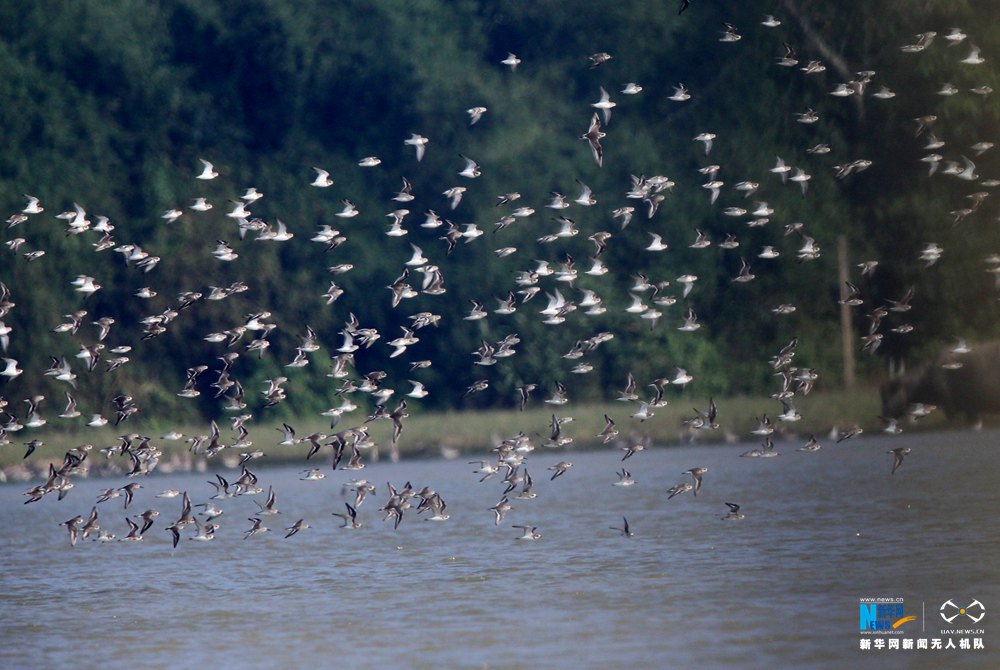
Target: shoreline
x=454 y=434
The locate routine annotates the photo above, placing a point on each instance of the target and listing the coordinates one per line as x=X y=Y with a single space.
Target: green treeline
x=110 y=104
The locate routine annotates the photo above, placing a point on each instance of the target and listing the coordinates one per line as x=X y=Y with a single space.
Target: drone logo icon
x=974 y=610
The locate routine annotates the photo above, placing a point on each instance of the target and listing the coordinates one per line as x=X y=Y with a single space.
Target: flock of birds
x=347 y=446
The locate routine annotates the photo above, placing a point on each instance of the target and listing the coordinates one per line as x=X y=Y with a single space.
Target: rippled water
x=780 y=587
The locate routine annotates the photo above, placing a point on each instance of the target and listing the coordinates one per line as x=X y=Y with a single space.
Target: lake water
x=781 y=587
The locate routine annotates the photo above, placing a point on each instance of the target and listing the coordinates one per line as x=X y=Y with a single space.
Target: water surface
x=780 y=587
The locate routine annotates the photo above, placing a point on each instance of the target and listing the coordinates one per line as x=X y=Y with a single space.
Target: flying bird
x=511 y=61
x=419 y=143
x=207 y=171
x=897 y=457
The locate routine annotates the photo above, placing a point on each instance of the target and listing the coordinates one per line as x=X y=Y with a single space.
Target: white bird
x=973 y=58
x=528 y=533
x=288 y=434
x=586 y=197
x=282 y=234
x=557 y=303
x=475 y=113
x=224 y=252
x=682 y=378
x=688 y=282
x=208 y=171
x=558 y=201
x=690 y=322
x=454 y=194
x=349 y=210
x=85 y=284
x=968 y=172
x=954 y=36
x=931 y=253
x=657 y=244
x=605 y=104
x=714 y=186
x=471 y=169
x=252 y=195
x=637 y=306
x=239 y=210
x=10 y=370
x=432 y=220
x=643 y=412
x=730 y=34
x=680 y=93
x=781 y=168
x=802 y=178
x=418 y=390
x=396 y=229
x=470 y=232
x=418 y=257
x=707 y=139
x=33 y=206
x=597 y=269
x=322 y=179
x=808 y=116
x=981 y=147
x=884 y=93
x=813 y=67
x=418 y=142
x=747 y=187
x=511 y=61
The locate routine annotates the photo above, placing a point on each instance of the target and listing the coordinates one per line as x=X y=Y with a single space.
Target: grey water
x=781 y=587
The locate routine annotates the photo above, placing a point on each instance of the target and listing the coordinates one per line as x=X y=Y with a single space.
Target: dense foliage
x=111 y=104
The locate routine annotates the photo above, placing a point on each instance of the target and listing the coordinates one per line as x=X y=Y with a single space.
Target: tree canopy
x=111 y=105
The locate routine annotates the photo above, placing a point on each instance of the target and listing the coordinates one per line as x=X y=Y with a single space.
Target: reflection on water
x=779 y=587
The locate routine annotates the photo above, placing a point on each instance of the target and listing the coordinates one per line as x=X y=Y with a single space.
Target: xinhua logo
x=974 y=610
x=882 y=616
